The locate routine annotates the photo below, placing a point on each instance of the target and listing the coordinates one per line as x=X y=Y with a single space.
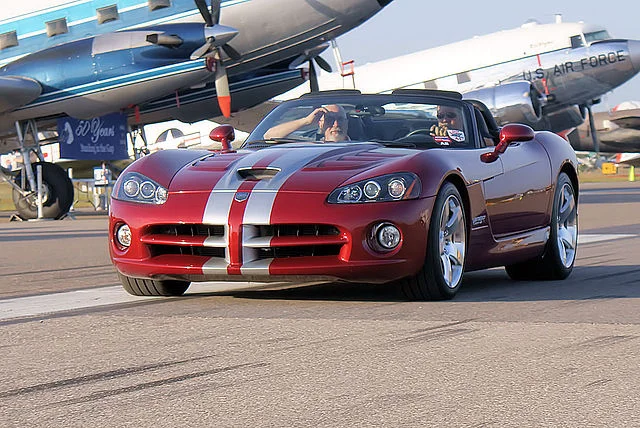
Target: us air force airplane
x=545 y=75
x=154 y=60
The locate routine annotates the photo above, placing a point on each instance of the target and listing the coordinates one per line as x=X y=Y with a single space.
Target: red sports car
x=416 y=186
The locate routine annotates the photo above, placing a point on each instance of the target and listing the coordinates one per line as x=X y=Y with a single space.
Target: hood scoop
x=257 y=174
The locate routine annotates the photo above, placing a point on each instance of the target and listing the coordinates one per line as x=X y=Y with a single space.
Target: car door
x=519 y=199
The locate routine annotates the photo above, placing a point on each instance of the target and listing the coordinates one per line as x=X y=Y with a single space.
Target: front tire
x=560 y=252
x=441 y=274
x=153 y=287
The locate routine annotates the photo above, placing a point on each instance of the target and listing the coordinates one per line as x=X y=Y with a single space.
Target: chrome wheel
x=452 y=242
x=567 y=233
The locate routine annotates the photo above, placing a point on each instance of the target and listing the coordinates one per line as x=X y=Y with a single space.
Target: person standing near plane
x=331 y=119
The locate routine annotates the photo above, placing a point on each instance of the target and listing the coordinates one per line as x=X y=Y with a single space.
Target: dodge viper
x=416 y=187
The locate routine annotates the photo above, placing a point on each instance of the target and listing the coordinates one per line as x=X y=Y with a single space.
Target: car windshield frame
x=400 y=120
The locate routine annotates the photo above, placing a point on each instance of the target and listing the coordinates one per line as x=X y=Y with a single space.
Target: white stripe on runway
x=20 y=307
x=58 y=302
x=588 y=238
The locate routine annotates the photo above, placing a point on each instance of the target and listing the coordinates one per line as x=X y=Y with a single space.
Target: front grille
x=258 y=241
x=188 y=230
x=297 y=230
x=301 y=251
x=292 y=240
x=159 y=250
x=186 y=239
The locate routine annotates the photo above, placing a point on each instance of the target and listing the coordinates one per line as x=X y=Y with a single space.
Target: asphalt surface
x=503 y=353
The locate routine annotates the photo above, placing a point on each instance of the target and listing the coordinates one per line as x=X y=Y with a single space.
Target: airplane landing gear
x=57 y=189
x=57 y=193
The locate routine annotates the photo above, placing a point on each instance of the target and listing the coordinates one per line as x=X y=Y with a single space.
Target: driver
x=331 y=119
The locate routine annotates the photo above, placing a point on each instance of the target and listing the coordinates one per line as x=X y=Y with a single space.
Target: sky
x=406 y=26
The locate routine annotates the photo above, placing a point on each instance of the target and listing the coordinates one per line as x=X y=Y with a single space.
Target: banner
x=100 y=138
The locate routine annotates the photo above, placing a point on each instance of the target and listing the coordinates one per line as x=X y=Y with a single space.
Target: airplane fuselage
x=106 y=71
x=559 y=68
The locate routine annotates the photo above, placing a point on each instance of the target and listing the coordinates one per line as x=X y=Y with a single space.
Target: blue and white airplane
x=155 y=60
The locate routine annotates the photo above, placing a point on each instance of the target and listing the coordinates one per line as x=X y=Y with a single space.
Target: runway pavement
x=78 y=351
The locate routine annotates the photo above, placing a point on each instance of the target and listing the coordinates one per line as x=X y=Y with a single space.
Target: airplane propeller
x=217 y=36
x=313 y=55
x=313 y=75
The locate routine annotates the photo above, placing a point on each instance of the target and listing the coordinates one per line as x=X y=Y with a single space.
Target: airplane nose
x=634 y=53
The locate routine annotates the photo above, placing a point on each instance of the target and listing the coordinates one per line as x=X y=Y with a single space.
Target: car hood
x=289 y=167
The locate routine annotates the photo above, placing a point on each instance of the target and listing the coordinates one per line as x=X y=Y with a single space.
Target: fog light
x=123 y=235
x=388 y=236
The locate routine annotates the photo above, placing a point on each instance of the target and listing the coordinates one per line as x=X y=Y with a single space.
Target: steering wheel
x=419 y=131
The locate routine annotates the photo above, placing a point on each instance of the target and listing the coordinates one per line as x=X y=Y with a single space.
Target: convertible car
x=403 y=195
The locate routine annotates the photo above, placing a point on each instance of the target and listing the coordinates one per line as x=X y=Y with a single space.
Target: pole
x=39 y=201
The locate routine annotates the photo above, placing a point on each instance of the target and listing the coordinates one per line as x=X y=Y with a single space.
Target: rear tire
x=560 y=252
x=153 y=287
x=441 y=274
x=58 y=193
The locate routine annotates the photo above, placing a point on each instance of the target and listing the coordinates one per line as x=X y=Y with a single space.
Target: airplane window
x=159 y=4
x=576 y=41
x=55 y=27
x=8 y=40
x=596 y=35
x=107 y=14
x=463 y=77
x=430 y=84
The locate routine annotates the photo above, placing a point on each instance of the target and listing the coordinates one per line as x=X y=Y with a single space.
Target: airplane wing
x=246 y=120
x=16 y=91
x=629 y=119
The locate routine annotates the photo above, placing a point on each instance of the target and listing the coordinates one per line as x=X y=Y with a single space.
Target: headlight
x=390 y=187
x=135 y=187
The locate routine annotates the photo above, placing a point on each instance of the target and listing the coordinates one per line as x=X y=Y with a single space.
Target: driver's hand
x=438 y=130
x=314 y=116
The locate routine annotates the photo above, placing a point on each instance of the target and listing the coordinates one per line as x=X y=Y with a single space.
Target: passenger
x=331 y=119
x=449 y=118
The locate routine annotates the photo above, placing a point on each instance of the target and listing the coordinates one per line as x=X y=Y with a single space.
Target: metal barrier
x=97 y=195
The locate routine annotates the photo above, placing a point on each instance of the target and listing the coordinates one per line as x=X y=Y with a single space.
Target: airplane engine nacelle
x=517 y=102
x=564 y=119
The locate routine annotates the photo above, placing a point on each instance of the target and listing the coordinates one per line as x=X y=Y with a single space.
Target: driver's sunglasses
x=329 y=118
x=448 y=115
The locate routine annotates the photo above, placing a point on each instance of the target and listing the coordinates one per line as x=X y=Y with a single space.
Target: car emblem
x=241 y=196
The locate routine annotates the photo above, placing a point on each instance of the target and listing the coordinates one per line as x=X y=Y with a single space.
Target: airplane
x=152 y=60
x=618 y=130
x=545 y=75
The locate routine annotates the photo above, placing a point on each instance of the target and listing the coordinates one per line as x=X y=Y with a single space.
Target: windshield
x=385 y=119
x=595 y=36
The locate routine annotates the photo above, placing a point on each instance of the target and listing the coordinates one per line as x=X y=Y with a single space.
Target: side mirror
x=510 y=133
x=223 y=134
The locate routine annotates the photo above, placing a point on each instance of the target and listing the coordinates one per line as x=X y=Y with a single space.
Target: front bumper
x=310 y=240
